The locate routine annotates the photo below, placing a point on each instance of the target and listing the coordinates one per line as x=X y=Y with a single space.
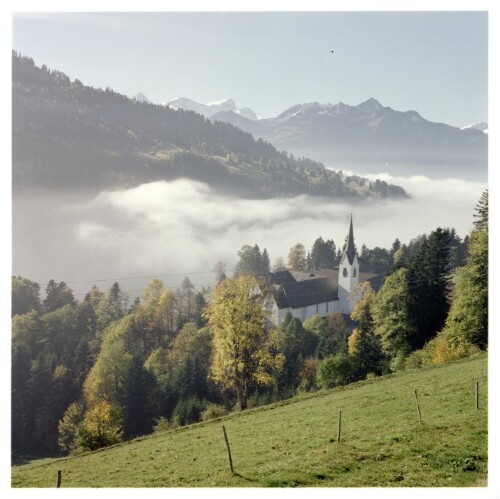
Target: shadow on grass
x=239 y=475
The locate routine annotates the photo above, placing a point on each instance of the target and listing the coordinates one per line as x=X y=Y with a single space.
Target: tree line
x=326 y=254
x=90 y=373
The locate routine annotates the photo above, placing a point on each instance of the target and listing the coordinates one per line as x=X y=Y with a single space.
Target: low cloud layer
x=166 y=228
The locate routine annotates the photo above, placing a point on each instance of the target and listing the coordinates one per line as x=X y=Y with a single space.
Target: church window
x=344 y=273
x=354 y=273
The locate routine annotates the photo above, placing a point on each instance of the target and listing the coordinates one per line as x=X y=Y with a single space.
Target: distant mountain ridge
x=66 y=135
x=370 y=137
x=210 y=109
x=483 y=127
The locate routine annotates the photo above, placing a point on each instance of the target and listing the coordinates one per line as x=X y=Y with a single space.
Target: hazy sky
x=433 y=62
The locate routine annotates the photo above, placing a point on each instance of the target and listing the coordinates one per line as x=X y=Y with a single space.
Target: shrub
x=161 y=425
x=308 y=375
x=213 y=411
x=442 y=351
x=334 y=371
x=101 y=427
x=187 y=411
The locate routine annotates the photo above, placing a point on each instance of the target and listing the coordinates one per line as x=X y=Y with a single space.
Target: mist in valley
x=169 y=229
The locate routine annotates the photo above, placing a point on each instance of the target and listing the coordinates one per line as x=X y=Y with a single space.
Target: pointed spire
x=350 y=249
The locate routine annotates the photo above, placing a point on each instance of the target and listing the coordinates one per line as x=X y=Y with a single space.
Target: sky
x=435 y=63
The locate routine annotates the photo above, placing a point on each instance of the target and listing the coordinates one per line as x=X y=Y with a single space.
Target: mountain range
x=368 y=137
x=68 y=136
x=212 y=108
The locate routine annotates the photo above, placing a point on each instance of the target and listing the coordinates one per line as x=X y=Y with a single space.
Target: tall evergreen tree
x=364 y=345
x=467 y=321
x=250 y=260
x=57 y=295
x=265 y=262
x=323 y=254
x=428 y=284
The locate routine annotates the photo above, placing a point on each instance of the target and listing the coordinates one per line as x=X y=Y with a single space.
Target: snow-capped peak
x=223 y=105
x=483 y=127
x=211 y=108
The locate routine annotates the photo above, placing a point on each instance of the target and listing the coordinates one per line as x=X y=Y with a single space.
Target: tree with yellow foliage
x=101 y=427
x=244 y=348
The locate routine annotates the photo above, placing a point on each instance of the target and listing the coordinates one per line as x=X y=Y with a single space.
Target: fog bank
x=166 y=228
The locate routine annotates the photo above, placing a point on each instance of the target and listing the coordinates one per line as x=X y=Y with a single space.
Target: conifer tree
x=428 y=284
x=467 y=321
x=364 y=346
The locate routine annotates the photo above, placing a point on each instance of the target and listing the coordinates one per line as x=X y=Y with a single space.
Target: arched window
x=354 y=272
x=344 y=273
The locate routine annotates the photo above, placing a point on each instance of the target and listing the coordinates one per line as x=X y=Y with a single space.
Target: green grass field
x=294 y=443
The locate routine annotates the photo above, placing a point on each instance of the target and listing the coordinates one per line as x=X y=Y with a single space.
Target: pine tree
x=467 y=321
x=364 y=346
x=265 y=263
x=428 y=284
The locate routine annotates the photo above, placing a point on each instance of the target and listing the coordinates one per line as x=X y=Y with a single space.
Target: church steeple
x=350 y=248
x=348 y=273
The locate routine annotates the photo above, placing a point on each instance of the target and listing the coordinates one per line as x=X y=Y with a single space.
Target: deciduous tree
x=25 y=296
x=242 y=344
x=297 y=257
x=391 y=315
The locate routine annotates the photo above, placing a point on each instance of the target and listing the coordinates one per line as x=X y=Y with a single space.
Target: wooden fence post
x=340 y=426
x=228 y=450
x=59 y=476
x=418 y=407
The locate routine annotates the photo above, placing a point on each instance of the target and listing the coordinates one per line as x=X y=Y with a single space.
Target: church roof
x=302 y=293
x=350 y=249
x=293 y=289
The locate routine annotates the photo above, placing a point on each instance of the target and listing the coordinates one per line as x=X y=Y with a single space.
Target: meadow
x=294 y=443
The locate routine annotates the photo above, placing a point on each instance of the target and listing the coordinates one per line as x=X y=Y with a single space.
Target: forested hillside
x=90 y=373
x=70 y=136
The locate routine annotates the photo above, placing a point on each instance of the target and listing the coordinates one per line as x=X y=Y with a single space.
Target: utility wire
x=135 y=277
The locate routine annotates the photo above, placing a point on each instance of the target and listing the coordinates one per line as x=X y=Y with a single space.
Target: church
x=322 y=291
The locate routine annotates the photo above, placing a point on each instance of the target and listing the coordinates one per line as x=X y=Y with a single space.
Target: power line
x=142 y=289
x=135 y=277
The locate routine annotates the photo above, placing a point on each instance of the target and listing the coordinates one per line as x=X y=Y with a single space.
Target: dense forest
x=90 y=373
x=70 y=136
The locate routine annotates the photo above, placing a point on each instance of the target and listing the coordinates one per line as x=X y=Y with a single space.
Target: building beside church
x=322 y=291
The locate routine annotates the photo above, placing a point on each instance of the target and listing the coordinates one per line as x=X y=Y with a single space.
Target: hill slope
x=67 y=136
x=293 y=443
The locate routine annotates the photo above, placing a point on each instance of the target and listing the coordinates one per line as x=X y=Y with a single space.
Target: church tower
x=348 y=273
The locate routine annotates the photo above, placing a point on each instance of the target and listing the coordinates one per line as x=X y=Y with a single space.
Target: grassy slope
x=294 y=443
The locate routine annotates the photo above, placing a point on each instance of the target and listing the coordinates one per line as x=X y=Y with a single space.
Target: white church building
x=322 y=291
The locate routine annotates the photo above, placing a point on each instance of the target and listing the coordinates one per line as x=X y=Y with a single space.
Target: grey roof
x=306 y=292
x=301 y=289
x=350 y=249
